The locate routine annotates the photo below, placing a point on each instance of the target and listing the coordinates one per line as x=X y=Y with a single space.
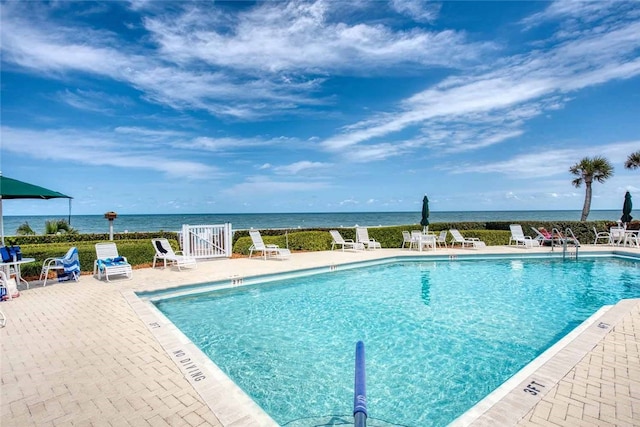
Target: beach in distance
x=141 y=223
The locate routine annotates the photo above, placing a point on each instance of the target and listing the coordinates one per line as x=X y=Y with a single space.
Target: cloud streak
x=263 y=61
x=99 y=149
x=498 y=101
x=550 y=162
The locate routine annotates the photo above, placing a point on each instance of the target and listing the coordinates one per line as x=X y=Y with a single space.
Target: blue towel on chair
x=110 y=262
x=71 y=266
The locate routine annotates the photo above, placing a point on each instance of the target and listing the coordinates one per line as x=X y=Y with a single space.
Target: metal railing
x=564 y=239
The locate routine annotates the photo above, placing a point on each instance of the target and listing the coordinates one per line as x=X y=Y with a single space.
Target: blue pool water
x=439 y=335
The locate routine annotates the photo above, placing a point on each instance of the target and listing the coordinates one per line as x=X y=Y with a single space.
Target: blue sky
x=320 y=106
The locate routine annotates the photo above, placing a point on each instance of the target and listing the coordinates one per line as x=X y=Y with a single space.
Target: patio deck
x=90 y=354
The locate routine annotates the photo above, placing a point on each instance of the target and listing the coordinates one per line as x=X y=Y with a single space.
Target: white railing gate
x=207 y=241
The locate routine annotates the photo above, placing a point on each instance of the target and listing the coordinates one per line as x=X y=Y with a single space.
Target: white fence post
x=186 y=248
x=228 y=234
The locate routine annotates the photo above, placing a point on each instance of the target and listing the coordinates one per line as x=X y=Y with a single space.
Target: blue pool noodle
x=360 y=389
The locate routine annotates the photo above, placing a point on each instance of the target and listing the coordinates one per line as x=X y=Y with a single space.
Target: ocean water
x=132 y=223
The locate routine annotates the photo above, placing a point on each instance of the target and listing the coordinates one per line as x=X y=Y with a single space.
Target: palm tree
x=58 y=227
x=588 y=170
x=25 y=230
x=633 y=161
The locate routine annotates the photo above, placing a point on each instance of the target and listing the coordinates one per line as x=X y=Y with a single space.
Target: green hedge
x=94 y=237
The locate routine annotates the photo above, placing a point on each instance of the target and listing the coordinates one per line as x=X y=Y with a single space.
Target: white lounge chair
x=542 y=239
x=473 y=242
x=68 y=267
x=362 y=236
x=601 y=235
x=109 y=263
x=338 y=240
x=268 y=251
x=518 y=237
x=165 y=252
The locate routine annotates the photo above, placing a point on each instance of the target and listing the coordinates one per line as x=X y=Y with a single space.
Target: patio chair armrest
x=51 y=261
x=271 y=246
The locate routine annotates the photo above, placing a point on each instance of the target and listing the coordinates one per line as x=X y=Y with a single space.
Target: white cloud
x=230 y=143
x=293 y=37
x=262 y=185
x=301 y=166
x=95 y=101
x=570 y=11
x=148 y=133
x=419 y=10
x=269 y=59
x=545 y=163
x=100 y=149
x=492 y=105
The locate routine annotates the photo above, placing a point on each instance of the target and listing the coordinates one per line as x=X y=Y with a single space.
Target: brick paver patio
x=78 y=354
x=603 y=389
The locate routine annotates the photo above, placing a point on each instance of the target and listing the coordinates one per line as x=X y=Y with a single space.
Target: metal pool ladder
x=565 y=250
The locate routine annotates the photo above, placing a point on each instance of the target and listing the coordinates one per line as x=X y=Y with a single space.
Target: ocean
x=132 y=223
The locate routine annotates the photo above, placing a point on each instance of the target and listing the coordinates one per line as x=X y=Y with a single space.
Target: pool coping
x=506 y=405
x=231 y=405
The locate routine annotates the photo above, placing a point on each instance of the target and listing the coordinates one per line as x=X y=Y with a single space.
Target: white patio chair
x=601 y=235
x=109 y=263
x=165 y=252
x=362 y=236
x=9 y=287
x=473 y=242
x=518 y=237
x=442 y=238
x=406 y=239
x=268 y=251
x=68 y=266
x=338 y=240
x=632 y=238
x=616 y=235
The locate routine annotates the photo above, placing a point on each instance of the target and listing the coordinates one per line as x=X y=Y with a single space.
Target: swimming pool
x=440 y=335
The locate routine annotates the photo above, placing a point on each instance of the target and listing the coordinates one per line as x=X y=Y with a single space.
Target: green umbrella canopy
x=425 y=212
x=626 y=208
x=14 y=189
